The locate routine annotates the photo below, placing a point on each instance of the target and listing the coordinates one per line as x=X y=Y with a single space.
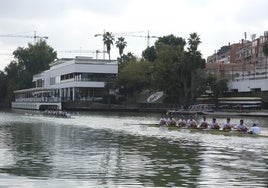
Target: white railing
x=38 y=99
x=251 y=77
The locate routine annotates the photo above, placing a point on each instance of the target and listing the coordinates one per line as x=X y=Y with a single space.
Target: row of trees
x=169 y=67
x=108 y=40
x=173 y=65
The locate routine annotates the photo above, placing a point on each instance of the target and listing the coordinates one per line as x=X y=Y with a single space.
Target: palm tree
x=195 y=59
x=108 y=41
x=121 y=44
x=193 y=43
x=265 y=51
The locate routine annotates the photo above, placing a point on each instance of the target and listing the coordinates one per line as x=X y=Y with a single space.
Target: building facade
x=68 y=79
x=248 y=66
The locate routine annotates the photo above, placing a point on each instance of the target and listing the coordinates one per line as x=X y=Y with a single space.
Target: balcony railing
x=39 y=99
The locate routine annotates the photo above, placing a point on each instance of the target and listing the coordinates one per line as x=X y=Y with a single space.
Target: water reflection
x=30 y=156
x=109 y=153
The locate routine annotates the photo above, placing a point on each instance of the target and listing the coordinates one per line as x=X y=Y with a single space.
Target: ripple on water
x=101 y=150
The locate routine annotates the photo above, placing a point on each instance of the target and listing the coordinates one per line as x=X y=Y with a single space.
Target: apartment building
x=243 y=64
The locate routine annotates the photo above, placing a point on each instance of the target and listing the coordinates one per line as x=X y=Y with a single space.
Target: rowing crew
x=204 y=124
x=57 y=113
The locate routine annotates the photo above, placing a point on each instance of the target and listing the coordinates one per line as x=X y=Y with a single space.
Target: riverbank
x=161 y=109
x=262 y=113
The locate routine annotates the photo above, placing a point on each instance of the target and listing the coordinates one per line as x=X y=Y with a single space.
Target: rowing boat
x=60 y=114
x=206 y=131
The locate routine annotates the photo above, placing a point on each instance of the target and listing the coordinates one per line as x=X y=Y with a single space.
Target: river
x=111 y=150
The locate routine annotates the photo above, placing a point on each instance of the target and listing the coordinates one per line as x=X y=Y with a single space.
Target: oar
x=126 y=124
x=148 y=124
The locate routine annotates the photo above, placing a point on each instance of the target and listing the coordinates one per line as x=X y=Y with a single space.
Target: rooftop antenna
x=253 y=36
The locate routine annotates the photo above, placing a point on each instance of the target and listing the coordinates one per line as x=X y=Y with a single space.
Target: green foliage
x=108 y=41
x=121 y=44
x=28 y=61
x=220 y=87
x=3 y=86
x=193 y=62
x=171 y=40
x=135 y=76
x=149 y=54
x=12 y=79
x=125 y=59
x=12 y=71
x=179 y=73
x=211 y=80
x=200 y=83
x=193 y=43
x=35 y=58
x=167 y=67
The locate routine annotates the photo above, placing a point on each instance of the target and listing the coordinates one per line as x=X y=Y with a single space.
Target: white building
x=67 y=79
x=249 y=83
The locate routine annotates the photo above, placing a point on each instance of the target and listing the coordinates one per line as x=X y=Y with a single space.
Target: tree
x=28 y=61
x=121 y=44
x=220 y=87
x=194 y=63
x=35 y=58
x=193 y=43
x=171 y=40
x=265 y=51
x=149 y=54
x=178 y=72
x=12 y=71
x=3 y=86
x=125 y=59
x=167 y=67
x=135 y=77
x=108 y=42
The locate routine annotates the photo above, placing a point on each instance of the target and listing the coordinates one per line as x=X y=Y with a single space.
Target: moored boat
x=193 y=109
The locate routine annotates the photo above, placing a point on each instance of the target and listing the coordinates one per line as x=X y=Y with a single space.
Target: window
x=255 y=89
x=67 y=76
x=235 y=90
x=40 y=83
x=52 y=81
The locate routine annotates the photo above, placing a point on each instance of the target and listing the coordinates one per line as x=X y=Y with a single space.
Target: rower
x=254 y=129
x=182 y=122
x=214 y=124
x=162 y=121
x=204 y=124
x=171 y=121
x=227 y=126
x=191 y=122
x=241 y=126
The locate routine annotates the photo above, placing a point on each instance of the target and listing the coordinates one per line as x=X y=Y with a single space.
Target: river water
x=112 y=150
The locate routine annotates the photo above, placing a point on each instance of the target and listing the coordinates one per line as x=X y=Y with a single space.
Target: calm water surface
x=112 y=150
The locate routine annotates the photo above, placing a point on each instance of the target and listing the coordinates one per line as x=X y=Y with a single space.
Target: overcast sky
x=72 y=24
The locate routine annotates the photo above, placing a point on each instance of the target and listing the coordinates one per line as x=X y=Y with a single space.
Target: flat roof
x=83 y=60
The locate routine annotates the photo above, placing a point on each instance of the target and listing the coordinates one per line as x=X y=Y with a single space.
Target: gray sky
x=72 y=24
